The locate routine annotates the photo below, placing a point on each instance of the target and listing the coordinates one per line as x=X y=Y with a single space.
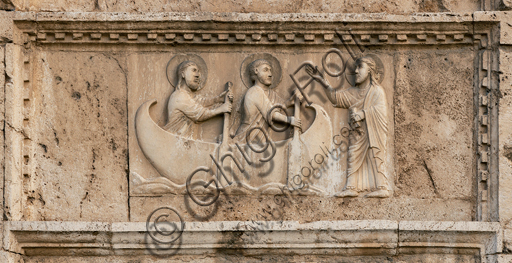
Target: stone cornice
x=356 y=237
x=252 y=29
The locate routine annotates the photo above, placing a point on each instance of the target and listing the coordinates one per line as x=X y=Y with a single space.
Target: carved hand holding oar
x=227 y=100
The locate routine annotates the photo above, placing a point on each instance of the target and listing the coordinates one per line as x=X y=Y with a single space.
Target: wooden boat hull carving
x=175 y=157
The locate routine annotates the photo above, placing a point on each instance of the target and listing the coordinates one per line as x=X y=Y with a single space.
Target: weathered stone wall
x=81 y=152
x=77 y=186
x=258 y=6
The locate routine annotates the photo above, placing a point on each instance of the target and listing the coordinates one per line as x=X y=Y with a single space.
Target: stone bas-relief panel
x=177 y=100
x=260 y=91
x=392 y=131
x=424 y=193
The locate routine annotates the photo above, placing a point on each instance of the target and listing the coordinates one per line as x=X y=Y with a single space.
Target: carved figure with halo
x=262 y=73
x=184 y=108
x=367 y=106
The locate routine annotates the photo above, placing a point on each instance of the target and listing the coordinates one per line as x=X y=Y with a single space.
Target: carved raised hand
x=316 y=75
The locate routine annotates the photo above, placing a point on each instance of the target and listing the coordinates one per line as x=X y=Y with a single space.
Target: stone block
x=427 y=111
x=9 y=257
x=259 y=6
x=505 y=122
x=80 y=152
x=6 y=26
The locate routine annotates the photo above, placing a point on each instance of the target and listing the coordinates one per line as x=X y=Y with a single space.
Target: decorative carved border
x=246 y=29
x=288 y=29
x=19 y=172
x=18 y=150
x=483 y=134
x=27 y=168
x=486 y=139
x=254 y=37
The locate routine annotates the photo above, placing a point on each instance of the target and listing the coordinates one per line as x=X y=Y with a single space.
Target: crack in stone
x=125 y=73
x=16 y=253
x=429 y=172
x=21 y=131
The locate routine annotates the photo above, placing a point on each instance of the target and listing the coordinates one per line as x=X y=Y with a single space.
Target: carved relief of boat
x=175 y=157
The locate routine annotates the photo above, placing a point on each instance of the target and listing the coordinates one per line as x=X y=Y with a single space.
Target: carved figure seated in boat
x=259 y=101
x=185 y=110
x=176 y=156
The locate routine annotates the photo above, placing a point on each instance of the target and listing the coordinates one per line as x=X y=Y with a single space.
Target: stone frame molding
x=479 y=29
x=347 y=238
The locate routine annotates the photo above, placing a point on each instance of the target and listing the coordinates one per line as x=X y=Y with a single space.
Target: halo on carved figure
x=350 y=75
x=274 y=63
x=173 y=64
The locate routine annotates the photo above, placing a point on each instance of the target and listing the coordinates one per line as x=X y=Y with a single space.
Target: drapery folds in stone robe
x=184 y=111
x=257 y=104
x=367 y=151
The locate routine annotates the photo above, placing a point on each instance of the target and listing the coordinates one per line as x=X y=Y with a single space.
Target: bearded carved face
x=192 y=77
x=264 y=74
x=362 y=72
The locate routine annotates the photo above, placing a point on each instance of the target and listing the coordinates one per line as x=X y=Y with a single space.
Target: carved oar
x=224 y=146
x=295 y=148
x=225 y=129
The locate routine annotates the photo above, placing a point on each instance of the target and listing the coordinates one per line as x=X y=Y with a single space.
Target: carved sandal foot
x=379 y=194
x=347 y=193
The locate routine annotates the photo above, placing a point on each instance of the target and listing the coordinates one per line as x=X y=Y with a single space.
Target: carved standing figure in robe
x=185 y=109
x=369 y=119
